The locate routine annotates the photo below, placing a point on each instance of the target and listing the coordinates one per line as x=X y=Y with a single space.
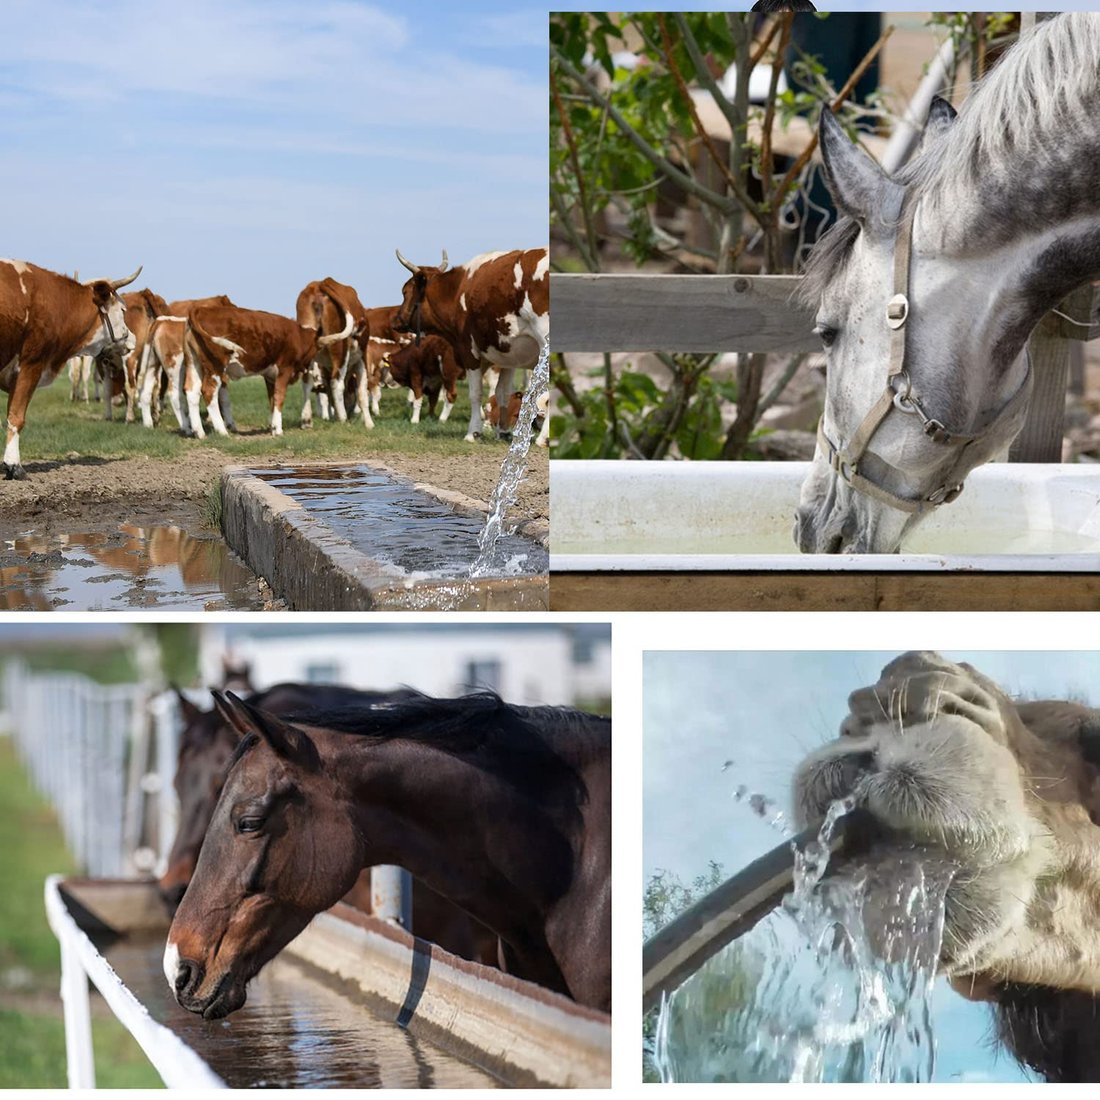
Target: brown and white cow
x=325 y=306
x=384 y=341
x=164 y=356
x=143 y=307
x=427 y=368
x=46 y=319
x=494 y=309
x=226 y=342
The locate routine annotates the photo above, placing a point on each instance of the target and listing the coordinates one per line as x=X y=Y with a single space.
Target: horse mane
x=1009 y=116
x=521 y=745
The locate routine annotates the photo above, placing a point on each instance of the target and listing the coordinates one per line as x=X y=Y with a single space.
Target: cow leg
x=225 y=407
x=130 y=381
x=473 y=381
x=147 y=382
x=18 y=400
x=504 y=401
x=449 y=400
x=278 y=396
x=338 y=380
x=307 y=398
x=543 y=439
x=376 y=396
x=192 y=385
x=364 y=398
x=210 y=387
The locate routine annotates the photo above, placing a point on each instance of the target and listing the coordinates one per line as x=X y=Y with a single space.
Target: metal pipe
x=910 y=126
x=391 y=895
x=675 y=952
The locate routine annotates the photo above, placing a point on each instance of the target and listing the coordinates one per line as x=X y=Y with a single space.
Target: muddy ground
x=90 y=494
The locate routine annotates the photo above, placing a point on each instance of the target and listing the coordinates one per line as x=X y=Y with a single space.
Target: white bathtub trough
x=738 y=516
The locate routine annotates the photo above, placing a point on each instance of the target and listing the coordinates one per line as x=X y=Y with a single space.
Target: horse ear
x=855 y=181
x=190 y=712
x=941 y=115
x=284 y=739
x=236 y=721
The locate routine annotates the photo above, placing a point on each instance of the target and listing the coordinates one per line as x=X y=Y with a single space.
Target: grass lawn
x=32 y=1035
x=56 y=428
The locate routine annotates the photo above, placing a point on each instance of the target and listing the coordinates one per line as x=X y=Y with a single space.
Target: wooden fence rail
x=760 y=313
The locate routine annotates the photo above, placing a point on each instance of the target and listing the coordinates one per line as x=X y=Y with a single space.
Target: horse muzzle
x=225 y=997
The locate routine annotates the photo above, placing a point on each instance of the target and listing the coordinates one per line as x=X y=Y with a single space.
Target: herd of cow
x=491 y=314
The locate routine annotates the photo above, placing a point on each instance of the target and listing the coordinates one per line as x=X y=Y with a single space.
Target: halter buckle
x=897 y=311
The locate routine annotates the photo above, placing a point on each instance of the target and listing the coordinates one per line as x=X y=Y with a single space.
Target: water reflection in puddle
x=160 y=568
x=294 y=1032
x=387 y=518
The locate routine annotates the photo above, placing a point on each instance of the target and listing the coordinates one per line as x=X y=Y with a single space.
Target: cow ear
x=858 y=185
x=102 y=292
x=1088 y=738
x=191 y=713
x=285 y=740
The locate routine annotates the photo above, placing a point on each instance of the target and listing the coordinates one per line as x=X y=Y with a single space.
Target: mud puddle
x=113 y=565
x=388 y=518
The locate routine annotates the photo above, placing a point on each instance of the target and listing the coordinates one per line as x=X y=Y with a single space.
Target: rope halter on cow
x=900 y=395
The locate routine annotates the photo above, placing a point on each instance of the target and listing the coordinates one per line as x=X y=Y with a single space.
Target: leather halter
x=899 y=394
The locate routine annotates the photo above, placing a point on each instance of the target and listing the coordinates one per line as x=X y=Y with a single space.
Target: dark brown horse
x=504 y=810
x=207 y=744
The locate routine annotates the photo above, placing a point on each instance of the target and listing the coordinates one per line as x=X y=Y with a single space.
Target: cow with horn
x=46 y=319
x=494 y=310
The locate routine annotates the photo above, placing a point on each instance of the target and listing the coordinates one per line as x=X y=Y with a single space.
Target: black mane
x=518 y=744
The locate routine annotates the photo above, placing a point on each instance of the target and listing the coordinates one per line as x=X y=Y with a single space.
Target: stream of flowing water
x=513 y=467
x=835 y=985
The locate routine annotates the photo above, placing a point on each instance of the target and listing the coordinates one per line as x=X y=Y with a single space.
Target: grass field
x=32 y=1034
x=57 y=427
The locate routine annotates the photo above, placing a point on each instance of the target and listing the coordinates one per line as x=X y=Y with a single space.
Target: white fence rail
x=104 y=757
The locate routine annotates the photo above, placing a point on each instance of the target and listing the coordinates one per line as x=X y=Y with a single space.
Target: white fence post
x=78 y=1020
x=391 y=895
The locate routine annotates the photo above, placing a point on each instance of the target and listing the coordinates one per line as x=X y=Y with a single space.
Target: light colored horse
x=941 y=756
x=931 y=282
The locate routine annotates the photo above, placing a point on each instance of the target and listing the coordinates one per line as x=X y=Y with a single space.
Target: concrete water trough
x=361 y=538
x=351 y=1003
x=717 y=535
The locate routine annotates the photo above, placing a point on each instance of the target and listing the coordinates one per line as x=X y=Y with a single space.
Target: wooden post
x=391 y=895
x=79 y=1060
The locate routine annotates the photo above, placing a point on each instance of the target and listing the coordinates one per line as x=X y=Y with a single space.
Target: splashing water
x=835 y=985
x=764 y=808
x=514 y=466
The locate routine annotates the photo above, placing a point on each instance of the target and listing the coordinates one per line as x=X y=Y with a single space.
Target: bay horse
x=207 y=744
x=505 y=810
x=1009 y=792
x=931 y=282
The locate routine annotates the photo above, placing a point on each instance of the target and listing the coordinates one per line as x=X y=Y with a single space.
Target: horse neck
x=460 y=829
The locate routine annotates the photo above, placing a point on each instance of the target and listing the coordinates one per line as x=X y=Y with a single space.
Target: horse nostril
x=188 y=977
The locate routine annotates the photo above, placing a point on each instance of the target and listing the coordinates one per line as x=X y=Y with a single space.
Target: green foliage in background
x=32 y=1033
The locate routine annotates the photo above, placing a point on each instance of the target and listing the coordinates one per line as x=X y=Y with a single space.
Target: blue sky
x=248 y=146
x=764 y=711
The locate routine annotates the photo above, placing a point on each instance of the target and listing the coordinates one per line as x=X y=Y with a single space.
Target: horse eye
x=827 y=334
x=250 y=824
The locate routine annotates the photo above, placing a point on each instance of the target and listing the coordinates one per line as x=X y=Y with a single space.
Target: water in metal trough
x=295 y=1031
x=836 y=985
x=390 y=520
x=129 y=566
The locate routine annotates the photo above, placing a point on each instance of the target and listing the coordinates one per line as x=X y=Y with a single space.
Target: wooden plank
x=1040 y=439
x=689 y=313
x=824 y=592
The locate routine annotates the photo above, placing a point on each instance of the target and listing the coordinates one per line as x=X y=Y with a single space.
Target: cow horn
x=116 y=284
x=324 y=341
x=444 y=265
x=405 y=263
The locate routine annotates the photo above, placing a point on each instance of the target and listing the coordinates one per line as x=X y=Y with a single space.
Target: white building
x=526 y=663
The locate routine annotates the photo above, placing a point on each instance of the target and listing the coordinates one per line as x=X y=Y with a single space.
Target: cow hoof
x=14 y=473
x=307 y=423
x=505 y=437
x=473 y=437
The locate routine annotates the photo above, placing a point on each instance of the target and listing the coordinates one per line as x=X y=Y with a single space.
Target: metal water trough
x=512 y=1030
x=620 y=528
x=313 y=569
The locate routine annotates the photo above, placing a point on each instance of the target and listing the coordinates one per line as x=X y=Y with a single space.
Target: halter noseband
x=900 y=395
